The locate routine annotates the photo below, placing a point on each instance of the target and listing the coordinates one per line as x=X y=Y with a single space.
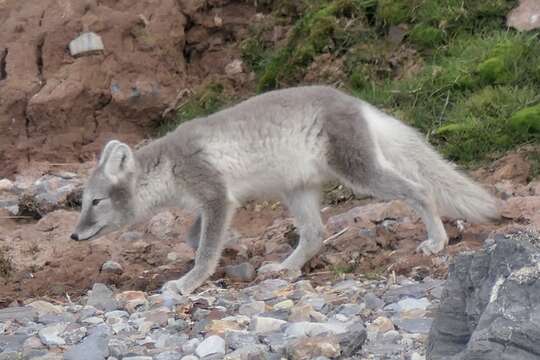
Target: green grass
x=474 y=91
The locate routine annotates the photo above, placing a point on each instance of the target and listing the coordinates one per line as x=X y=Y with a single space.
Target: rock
x=300 y=329
x=381 y=324
x=132 y=301
x=252 y=351
x=526 y=16
x=118 y=348
x=283 y=305
x=239 y=339
x=211 y=345
x=309 y=348
x=409 y=304
x=50 y=335
x=20 y=314
x=219 y=327
x=486 y=309
x=189 y=346
x=101 y=297
x=190 y=357
x=391 y=336
x=86 y=43
x=234 y=67
x=261 y=325
x=301 y=313
x=74 y=333
x=6 y=185
x=353 y=340
x=162 y=225
x=169 y=355
x=244 y=272
x=93 y=347
x=112 y=267
x=252 y=308
x=373 y=302
x=414 y=326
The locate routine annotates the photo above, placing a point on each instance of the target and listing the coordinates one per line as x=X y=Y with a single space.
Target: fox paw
x=179 y=287
x=430 y=247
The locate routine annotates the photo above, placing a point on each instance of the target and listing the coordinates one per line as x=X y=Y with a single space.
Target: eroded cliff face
x=59 y=108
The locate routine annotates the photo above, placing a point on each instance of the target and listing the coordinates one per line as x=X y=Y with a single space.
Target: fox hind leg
x=352 y=158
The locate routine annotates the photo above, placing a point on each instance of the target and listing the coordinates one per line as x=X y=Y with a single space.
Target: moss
x=491 y=7
x=527 y=121
x=426 y=36
x=328 y=26
x=393 y=12
x=501 y=65
x=482 y=123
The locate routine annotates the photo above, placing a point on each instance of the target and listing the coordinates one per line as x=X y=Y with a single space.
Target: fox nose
x=74 y=236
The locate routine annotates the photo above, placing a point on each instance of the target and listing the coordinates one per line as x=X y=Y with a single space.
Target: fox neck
x=154 y=188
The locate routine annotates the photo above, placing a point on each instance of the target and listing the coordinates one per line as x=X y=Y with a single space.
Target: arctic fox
x=284 y=144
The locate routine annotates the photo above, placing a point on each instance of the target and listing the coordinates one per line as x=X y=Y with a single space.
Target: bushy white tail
x=455 y=194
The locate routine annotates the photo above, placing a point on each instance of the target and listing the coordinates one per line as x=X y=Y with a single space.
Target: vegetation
x=455 y=71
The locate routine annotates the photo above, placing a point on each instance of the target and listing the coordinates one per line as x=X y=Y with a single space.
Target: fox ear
x=119 y=162
x=107 y=151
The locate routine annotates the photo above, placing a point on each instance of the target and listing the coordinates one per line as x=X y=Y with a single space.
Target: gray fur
x=282 y=144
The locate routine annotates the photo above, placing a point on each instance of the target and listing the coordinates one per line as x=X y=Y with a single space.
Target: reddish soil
x=380 y=241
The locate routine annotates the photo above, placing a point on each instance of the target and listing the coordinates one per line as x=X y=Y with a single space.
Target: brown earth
x=58 y=108
x=380 y=240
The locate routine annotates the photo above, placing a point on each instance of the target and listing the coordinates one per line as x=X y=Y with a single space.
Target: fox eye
x=95 y=202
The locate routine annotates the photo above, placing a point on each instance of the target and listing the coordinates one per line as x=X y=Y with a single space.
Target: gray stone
x=353 y=339
x=20 y=314
x=86 y=43
x=190 y=357
x=252 y=308
x=261 y=325
x=490 y=305
x=137 y=358
x=190 y=345
x=244 y=272
x=169 y=355
x=94 y=347
x=74 y=333
x=211 y=345
x=304 y=328
x=414 y=326
x=112 y=267
x=12 y=343
x=416 y=290
x=50 y=335
x=349 y=309
x=248 y=352
x=101 y=297
x=373 y=302
x=238 y=339
x=118 y=348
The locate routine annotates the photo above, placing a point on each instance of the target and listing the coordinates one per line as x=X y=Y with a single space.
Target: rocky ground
x=367 y=295
x=273 y=319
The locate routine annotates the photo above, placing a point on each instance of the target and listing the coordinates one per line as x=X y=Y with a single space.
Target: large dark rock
x=490 y=308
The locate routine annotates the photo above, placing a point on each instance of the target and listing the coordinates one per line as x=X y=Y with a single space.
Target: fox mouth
x=94 y=235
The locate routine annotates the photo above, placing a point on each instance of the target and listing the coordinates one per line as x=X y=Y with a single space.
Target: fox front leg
x=214 y=222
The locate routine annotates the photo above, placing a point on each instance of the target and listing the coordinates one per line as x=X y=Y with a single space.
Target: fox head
x=108 y=197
